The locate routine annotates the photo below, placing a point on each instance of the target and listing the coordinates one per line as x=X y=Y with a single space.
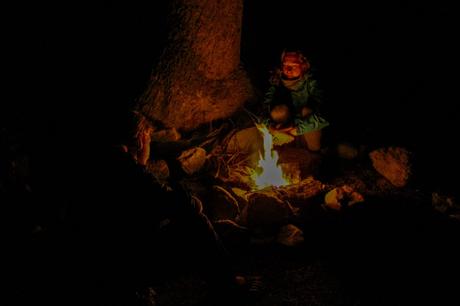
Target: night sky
x=387 y=69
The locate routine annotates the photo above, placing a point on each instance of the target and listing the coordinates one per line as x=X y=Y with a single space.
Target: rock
x=242 y=197
x=192 y=160
x=222 y=205
x=341 y=197
x=393 y=163
x=166 y=135
x=265 y=208
x=231 y=232
x=298 y=193
x=248 y=141
x=159 y=168
x=290 y=235
x=332 y=199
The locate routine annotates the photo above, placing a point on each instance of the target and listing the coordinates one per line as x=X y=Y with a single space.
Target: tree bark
x=198 y=78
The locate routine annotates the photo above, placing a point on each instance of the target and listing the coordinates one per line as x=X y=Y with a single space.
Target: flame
x=268 y=172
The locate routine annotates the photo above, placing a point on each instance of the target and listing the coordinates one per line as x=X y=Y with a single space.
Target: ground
x=370 y=259
x=392 y=249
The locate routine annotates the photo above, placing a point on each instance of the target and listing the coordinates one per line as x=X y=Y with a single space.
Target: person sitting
x=293 y=100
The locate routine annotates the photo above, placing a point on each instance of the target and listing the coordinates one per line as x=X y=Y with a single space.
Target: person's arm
x=312 y=99
x=315 y=95
x=268 y=99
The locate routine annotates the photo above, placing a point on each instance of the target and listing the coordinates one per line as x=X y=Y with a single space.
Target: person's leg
x=313 y=140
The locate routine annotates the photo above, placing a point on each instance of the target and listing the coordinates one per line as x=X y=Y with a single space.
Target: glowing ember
x=268 y=172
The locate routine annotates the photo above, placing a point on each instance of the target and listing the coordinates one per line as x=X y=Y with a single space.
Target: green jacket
x=304 y=92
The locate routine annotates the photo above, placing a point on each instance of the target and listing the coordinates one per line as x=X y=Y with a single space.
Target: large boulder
x=266 y=209
x=393 y=163
x=249 y=142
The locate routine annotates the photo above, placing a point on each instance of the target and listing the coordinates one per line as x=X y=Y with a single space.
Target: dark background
x=387 y=68
x=389 y=71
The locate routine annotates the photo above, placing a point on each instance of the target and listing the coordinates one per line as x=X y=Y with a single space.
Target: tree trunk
x=198 y=78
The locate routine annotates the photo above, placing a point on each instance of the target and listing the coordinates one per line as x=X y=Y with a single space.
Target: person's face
x=291 y=69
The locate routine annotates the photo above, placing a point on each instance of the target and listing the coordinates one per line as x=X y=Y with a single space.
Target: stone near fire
x=231 y=232
x=393 y=163
x=298 y=193
x=159 y=168
x=333 y=199
x=166 y=135
x=341 y=197
x=265 y=208
x=247 y=141
x=241 y=196
x=222 y=205
x=303 y=159
x=192 y=160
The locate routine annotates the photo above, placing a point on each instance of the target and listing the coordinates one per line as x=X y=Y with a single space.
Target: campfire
x=255 y=185
x=268 y=172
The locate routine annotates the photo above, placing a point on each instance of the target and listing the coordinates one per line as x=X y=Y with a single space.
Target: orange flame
x=268 y=172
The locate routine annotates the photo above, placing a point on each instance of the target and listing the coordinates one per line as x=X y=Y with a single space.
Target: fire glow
x=268 y=172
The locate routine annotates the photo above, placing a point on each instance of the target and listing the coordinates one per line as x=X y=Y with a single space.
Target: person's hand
x=305 y=112
x=280 y=113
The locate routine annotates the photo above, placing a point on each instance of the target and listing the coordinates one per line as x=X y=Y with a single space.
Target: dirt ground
x=392 y=249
